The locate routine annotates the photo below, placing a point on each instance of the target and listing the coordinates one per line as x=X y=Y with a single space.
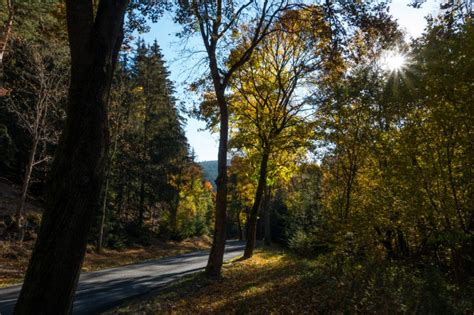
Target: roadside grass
x=14 y=258
x=278 y=282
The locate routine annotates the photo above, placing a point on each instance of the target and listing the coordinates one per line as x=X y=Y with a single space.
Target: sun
x=394 y=61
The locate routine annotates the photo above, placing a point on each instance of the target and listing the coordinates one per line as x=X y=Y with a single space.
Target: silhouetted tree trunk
x=252 y=231
x=76 y=177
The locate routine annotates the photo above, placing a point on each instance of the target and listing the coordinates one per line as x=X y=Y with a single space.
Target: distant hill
x=210 y=171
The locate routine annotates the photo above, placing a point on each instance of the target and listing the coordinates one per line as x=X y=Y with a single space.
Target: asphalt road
x=101 y=290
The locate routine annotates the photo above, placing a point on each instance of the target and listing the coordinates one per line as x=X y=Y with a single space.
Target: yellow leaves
x=243 y=217
x=235 y=34
x=137 y=89
x=253 y=291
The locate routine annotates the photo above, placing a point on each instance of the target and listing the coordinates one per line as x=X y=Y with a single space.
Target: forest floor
x=278 y=282
x=270 y=282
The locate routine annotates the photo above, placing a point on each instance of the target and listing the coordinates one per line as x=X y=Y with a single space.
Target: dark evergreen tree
x=151 y=166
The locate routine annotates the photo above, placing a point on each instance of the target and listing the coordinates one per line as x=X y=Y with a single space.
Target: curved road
x=101 y=290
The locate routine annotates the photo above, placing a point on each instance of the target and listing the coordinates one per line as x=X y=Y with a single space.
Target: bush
x=307 y=244
x=301 y=243
x=369 y=286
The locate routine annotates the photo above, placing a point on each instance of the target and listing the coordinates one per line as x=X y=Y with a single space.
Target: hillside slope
x=210 y=172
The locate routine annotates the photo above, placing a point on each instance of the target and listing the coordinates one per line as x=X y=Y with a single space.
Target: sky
x=183 y=60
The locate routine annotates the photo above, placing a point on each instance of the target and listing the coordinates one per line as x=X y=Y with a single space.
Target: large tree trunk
x=216 y=256
x=76 y=177
x=252 y=232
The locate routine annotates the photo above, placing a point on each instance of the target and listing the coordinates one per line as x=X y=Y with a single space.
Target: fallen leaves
x=269 y=283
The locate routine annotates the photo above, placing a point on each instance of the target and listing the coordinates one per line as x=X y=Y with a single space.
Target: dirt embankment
x=9 y=194
x=14 y=256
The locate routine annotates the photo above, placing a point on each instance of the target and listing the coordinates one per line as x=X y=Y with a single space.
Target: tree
x=37 y=103
x=397 y=155
x=4 y=38
x=33 y=21
x=154 y=187
x=77 y=172
x=119 y=112
x=241 y=188
x=162 y=145
x=218 y=22
x=270 y=116
x=40 y=25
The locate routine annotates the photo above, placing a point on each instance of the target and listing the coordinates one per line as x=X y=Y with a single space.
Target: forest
x=343 y=176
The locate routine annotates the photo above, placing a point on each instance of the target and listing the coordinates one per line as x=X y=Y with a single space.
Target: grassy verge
x=14 y=258
x=275 y=282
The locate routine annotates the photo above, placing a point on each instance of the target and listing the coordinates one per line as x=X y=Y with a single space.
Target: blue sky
x=184 y=65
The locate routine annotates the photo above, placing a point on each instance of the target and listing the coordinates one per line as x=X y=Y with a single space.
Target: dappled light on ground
x=275 y=282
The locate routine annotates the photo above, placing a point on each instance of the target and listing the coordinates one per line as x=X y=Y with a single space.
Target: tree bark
x=252 y=231
x=75 y=181
x=216 y=256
